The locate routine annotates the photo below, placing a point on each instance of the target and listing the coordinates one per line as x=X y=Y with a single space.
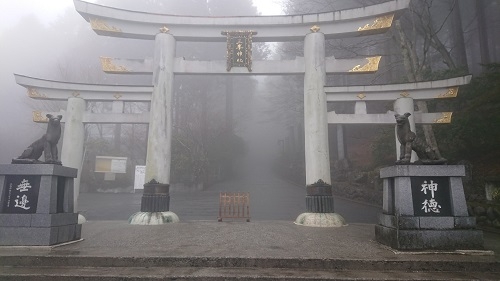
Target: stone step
x=50 y=273
x=418 y=263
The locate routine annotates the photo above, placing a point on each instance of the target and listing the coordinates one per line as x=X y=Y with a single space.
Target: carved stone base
x=153 y=218
x=81 y=219
x=320 y=220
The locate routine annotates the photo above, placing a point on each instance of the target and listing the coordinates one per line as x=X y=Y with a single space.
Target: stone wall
x=487 y=215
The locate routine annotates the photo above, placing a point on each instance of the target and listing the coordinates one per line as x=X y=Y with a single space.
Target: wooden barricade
x=234 y=205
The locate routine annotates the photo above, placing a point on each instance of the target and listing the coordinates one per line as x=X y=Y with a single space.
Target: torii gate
x=403 y=96
x=166 y=30
x=75 y=117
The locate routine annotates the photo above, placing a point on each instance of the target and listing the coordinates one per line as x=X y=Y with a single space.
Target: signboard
x=431 y=196
x=119 y=165
x=21 y=194
x=239 y=49
x=110 y=164
x=140 y=177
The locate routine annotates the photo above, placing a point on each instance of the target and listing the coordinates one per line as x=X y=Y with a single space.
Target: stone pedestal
x=424 y=208
x=319 y=198
x=319 y=205
x=37 y=207
x=156 y=198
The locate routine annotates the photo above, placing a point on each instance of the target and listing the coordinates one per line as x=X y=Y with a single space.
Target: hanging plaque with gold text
x=239 y=49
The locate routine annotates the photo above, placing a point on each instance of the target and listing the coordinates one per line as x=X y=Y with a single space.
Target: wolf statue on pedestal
x=409 y=141
x=47 y=145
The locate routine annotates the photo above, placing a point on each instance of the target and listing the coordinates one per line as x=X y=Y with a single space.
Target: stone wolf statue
x=46 y=144
x=409 y=141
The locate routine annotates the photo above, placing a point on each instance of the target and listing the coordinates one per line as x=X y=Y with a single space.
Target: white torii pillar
x=73 y=141
x=156 y=198
x=319 y=199
x=402 y=106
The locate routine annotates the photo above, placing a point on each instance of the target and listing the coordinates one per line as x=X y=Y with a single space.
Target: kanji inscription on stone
x=20 y=194
x=431 y=196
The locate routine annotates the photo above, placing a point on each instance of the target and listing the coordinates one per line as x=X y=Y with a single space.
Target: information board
x=140 y=177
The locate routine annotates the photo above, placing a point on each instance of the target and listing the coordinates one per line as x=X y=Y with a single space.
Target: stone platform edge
x=38 y=169
x=419 y=170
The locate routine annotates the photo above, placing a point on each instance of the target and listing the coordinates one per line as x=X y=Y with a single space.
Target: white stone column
x=340 y=142
x=156 y=198
x=117 y=107
x=315 y=114
x=401 y=106
x=73 y=141
x=160 y=124
x=319 y=199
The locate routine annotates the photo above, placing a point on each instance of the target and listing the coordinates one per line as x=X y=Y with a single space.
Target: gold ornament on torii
x=98 y=24
x=38 y=117
x=445 y=118
x=450 y=93
x=108 y=66
x=379 y=23
x=34 y=94
x=371 y=66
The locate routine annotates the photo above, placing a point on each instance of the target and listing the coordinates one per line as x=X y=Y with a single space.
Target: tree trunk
x=229 y=104
x=482 y=31
x=414 y=75
x=406 y=50
x=229 y=122
x=458 y=51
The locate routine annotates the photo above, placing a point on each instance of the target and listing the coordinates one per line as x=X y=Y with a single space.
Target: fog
x=30 y=46
x=54 y=42
x=50 y=40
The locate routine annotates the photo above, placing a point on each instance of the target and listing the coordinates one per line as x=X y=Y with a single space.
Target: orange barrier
x=234 y=205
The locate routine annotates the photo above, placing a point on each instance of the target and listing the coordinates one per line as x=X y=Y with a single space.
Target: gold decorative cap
x=164 y=29
x=315 y=28
x=361 y=96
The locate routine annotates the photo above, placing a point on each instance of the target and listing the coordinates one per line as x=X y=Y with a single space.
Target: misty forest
x=224 y=125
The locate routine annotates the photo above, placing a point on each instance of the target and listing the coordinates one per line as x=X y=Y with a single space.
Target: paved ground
x=261 y=239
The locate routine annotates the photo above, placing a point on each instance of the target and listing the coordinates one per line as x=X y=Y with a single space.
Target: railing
x=234 y=205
